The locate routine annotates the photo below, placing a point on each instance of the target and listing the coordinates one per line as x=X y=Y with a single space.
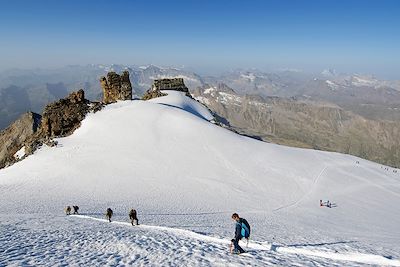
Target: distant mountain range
x=303 y=123
x=304 y=106
x=31 y=90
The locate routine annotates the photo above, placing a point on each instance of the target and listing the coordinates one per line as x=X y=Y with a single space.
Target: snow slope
x=179 y=171
x=179 y=100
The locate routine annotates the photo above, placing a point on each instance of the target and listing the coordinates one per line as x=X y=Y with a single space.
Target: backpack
x=245 y=232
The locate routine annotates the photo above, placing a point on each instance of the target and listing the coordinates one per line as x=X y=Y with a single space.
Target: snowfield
x=186 y=176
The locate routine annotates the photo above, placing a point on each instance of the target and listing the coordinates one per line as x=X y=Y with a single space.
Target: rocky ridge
x=60 y=118
x=32 y=130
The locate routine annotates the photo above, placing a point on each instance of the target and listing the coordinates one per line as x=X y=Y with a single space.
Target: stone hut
x=116 y=87
x=159 y=85
x=176 y=84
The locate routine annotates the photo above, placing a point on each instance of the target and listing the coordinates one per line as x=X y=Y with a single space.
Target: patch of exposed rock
x=13 y=138
x=152 y=94
x=116 y=87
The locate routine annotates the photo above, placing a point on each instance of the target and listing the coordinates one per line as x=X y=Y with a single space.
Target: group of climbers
x=242 y=227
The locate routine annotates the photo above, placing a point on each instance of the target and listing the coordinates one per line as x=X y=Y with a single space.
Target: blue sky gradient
x=350 y=36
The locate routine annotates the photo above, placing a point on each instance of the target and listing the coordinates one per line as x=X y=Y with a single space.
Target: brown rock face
x=126 y=86
x=14 y=137
x=116 y=87
x=61 y=118
x=152 y=94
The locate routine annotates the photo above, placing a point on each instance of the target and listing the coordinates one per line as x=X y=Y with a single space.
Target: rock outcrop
x=176 y=84
x=116 y=87
x=152 y=94
x=62 y=117
x=14 y=137
x=31 y=130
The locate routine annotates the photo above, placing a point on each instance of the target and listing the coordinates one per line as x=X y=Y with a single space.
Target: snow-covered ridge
x=250 y=76
x=179 y=100
x=356 y=80
x=166 y=159
x=223 y=97
x=331 y=84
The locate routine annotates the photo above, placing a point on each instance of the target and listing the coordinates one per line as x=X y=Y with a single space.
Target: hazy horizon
x=207 y=36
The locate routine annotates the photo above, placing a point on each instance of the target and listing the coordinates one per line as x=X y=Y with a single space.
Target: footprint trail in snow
x=253 y=246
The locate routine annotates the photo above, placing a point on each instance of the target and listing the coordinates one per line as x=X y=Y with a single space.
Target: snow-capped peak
x=329 y=72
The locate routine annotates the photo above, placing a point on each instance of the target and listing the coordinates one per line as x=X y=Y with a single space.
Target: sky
x=210 y=36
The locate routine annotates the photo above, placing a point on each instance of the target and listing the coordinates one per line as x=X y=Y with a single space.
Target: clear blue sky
x=351 y=36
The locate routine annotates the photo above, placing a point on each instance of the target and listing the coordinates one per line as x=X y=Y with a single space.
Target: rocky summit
x=62 y=117
x=31 y=130
x=116 y=87
x=159 y=85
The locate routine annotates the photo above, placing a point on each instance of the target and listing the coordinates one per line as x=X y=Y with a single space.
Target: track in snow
x=295 y=203
x=264 y=246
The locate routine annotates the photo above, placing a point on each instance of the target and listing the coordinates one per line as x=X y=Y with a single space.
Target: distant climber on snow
x=327 y=204
x=133 y=217
x=68 y=210
x=109 y=214
x=76 y=208
x=242 y=230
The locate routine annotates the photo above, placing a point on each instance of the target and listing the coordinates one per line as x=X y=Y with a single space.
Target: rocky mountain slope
x=14 y=136
x=304 y=123
x=363 y=95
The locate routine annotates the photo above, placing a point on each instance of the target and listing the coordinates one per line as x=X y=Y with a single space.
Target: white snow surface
x=20 y=153
x=186 y=176
x=179 y=100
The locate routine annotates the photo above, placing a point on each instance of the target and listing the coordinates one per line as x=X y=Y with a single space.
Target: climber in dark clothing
x=76 y=209
x=109 y=214
x=242 y=230
x=133 y=217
